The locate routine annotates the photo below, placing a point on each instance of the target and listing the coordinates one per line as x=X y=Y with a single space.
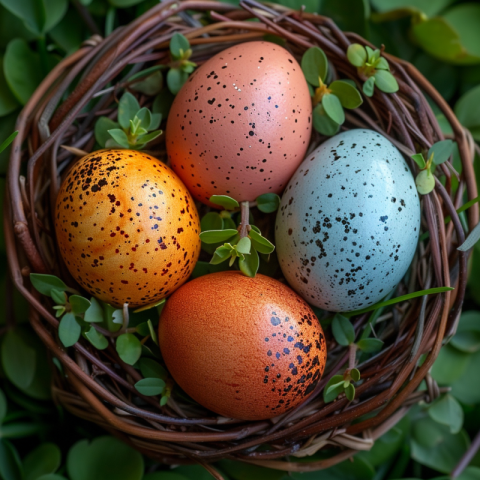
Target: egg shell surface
x=127 y=227
x=348 y=223
x=247 y=348
x=241 y=124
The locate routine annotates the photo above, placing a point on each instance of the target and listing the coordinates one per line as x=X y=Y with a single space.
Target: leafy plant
x=135 y=128
x=94 y=320
x=339 y=384
x=438 y=153
x=180 y=67
x=372 y=68
x=328 y=100
x=221 y=236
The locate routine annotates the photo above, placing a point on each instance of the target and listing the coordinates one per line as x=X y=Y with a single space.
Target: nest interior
x=97 y=385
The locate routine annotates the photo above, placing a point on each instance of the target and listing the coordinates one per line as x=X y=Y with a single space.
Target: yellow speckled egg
x=247 y=348
x=127 y=227
x=241 y=124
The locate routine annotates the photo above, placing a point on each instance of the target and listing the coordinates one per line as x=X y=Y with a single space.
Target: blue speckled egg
x=348 y=224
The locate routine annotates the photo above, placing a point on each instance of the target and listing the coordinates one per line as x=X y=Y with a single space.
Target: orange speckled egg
x=241 y=124
x=127 y=227
x=247 y=348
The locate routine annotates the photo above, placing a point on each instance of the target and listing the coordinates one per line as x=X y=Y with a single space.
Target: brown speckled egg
x=241 y=124
x=247 y=348
x=127 y=227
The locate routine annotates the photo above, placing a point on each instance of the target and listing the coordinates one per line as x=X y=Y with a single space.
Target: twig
x=245 y=214
x=467 y=457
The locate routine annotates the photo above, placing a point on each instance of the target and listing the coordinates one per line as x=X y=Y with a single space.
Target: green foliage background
x=41 y=441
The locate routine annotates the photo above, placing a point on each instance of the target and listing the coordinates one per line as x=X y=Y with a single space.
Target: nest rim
x=404 y=118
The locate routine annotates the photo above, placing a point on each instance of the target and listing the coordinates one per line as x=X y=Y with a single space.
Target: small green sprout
x=438 y=153
x=328 y=100
x=372 y=68
x=135 y=128
x=180 y=67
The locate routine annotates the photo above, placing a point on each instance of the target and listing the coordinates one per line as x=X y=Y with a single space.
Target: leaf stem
x=352 y=355
x=244 y=221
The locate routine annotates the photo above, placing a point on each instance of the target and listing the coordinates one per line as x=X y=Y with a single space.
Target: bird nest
x=98 y=386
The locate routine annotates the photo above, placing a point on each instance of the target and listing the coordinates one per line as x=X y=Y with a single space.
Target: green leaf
x=150 y=386
x=39 y=16
x=8 y=102
x=268 y=202
x=205 y=268
x=176 y=78
x=8 y=141
x=369 y=87
x=402 y=298
x=129 y=348
x=144 y=139
x=348 y=95
x=355 y=374
x=162 y=103
x=120 y=137
x=217 y=236
x=343 y=330
x=315 y=65
x=453 y=37
x=441 y=151
x=447 y=411
x=471 y=240
x=385 y=81
x=151 y=85
x=419 y=160
x=382 y=64
x=261 y=244
x=22 y=69
x=69 y=330
x=155 y=122
x=105 y=458
x=244 y=245
x=145 y=117
x=79 y=304
x=96 y=338
x=94 y=312
x=356 y=54
x=69 y=33
x=350 y=392
x=58 y=297
x=211 y=221
x=3 y=406
x=333 y=108
x=323 y=123
x=102 y=126
x=450 y=365
x=45 y=459
x=178 y=45
x=46 y=283
x=425 y=182
x=349 y=15
x=127 y=108
x=426 y=6
x=467 y=112
x=18 y=359
x=467 y=338
x=333 y=388
x=10 y=466
x=148 y=307
x=152 y=369
x=249 y=265
x=444 y=449
x=370 y=345
x=224 y=201
x=221 y=254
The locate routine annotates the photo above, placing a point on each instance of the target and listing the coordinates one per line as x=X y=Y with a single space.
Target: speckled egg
x=127 y=227
x=348 y=224
x=241 y=124
x=247 y=348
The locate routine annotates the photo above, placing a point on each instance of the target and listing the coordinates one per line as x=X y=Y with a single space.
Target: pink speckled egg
x=247 y=348
x=241 y=124
x=126 y=227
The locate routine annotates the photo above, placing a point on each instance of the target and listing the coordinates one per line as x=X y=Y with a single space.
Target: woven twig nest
x=97 y=385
